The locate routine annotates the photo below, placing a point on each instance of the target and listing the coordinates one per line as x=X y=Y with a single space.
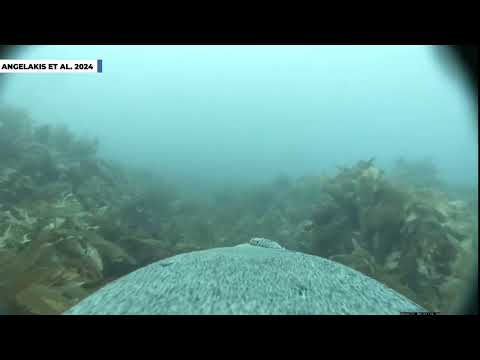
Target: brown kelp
x=413 y=238
x=71 y=221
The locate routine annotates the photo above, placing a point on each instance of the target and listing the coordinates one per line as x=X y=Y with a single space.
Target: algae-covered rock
x=410 y=236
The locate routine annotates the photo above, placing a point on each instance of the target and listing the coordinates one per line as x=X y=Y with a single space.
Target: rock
x=244 y=279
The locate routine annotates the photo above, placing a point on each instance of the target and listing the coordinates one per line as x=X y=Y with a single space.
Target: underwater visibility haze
x=366 y=156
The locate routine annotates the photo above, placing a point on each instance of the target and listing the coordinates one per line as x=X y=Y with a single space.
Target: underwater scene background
x=365 y=155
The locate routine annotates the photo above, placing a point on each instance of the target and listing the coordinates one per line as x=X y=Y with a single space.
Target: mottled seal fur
x=260 y=277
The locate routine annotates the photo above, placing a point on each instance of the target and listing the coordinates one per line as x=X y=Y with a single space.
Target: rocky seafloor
x=72 y=222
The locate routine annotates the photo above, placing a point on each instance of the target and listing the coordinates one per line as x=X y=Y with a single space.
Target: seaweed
x=71 y=222
x=408 y=236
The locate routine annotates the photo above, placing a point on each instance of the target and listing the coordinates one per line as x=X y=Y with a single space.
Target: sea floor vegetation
x=71 y=222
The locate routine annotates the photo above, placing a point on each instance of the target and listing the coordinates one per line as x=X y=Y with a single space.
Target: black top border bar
x=125 y=36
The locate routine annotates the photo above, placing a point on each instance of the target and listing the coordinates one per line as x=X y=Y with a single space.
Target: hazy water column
x=246 y=113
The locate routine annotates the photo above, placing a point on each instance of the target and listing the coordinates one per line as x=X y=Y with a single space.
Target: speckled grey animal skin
x=260 y=277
